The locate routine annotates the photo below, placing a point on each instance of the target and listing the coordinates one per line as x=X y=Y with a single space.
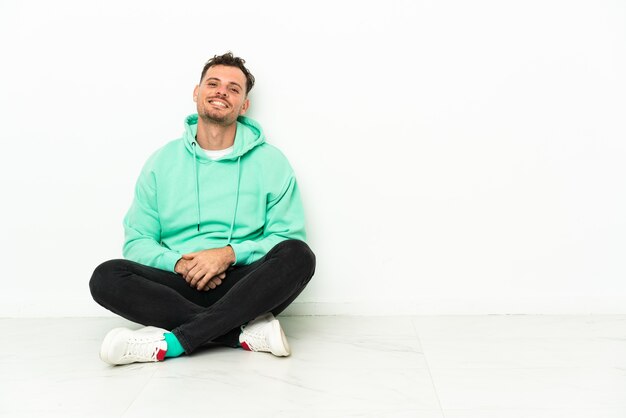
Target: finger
x=203 y=282
x=183 y=269
x=189 y=276
x=216 y=280
x=197 y=279
x=190 y=265
x=222 y=276
x=206 y=284
x=194 y=275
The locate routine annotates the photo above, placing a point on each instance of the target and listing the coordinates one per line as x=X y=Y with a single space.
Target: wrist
x=231 y=255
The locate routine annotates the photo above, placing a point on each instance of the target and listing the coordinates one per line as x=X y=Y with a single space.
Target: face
x=221 y=95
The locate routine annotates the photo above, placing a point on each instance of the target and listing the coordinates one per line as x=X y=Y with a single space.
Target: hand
x=206 y=269
x=215 y=281
x=182 y=267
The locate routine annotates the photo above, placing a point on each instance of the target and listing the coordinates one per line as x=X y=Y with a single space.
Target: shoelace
x=142 y=350
x=255 y=339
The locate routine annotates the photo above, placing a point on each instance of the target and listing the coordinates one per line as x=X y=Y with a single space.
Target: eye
x=212 y=84
x=234 y=90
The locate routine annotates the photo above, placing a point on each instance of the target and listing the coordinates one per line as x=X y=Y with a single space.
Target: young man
x=214 y=239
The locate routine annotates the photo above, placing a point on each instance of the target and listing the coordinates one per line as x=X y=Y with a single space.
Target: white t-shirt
x=215 y=154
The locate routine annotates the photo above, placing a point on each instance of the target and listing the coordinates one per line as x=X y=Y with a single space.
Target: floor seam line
x=139 y=394
x=432 y=380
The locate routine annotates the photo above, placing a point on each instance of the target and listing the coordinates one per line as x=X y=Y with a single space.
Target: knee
x=299 y=253
x=103 y=277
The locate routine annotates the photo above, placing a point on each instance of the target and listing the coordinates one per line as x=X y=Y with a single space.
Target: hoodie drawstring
x=237 y=187
x=232 y=224
x=195 y=174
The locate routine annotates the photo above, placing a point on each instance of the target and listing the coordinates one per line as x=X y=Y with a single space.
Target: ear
x=195 y=94
x=245 y=107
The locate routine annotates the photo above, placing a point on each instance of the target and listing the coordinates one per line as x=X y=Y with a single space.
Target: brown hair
x=230 y=60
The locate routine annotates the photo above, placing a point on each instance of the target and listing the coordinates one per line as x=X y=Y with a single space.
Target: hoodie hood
x=249 y=135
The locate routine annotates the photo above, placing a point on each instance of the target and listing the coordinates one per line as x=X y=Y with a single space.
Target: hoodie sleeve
x=142 y=227
x=284 y=220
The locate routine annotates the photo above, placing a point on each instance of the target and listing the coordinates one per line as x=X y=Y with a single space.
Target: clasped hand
x=205 y=270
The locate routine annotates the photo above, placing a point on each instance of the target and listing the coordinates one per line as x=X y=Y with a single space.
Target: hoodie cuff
x=168 y=261
x=242 y=251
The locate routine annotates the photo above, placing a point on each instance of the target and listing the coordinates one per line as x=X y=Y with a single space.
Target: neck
x=215 y=137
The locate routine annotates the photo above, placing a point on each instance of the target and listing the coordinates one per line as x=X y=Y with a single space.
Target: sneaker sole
x=278 y=340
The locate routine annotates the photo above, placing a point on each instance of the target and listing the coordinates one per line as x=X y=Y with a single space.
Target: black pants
x=160 y=298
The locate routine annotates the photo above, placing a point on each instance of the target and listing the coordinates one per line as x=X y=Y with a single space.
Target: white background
x=454 y=156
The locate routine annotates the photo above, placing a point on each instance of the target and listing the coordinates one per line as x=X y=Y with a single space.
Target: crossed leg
x=163 y=299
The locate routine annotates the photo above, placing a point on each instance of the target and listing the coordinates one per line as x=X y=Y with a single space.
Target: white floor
x=397 y=367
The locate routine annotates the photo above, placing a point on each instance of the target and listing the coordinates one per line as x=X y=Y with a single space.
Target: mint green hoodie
x=185 y=202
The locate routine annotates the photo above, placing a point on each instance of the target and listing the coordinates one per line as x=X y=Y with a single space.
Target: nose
x=221 y=91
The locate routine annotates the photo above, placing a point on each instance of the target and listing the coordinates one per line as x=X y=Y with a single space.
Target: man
x=214 y=239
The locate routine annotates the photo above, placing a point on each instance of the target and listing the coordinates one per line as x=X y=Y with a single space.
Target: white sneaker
x=124 y=346
x=264 y=334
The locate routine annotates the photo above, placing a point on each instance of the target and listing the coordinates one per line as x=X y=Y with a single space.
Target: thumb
x=189 y=256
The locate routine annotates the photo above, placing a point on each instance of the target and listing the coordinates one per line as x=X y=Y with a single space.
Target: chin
x=218 y=120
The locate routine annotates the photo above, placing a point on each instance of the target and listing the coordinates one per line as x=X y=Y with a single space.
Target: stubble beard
x=215 y=118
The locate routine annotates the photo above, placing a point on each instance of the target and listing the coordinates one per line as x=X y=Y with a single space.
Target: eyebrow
x=232 y=82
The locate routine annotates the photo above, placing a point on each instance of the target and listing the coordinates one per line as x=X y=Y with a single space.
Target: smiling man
x=214 y=238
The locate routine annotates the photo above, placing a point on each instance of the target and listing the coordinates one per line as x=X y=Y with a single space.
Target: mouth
x=218 y=103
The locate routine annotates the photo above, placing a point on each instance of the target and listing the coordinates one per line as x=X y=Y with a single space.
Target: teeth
x=217 y=103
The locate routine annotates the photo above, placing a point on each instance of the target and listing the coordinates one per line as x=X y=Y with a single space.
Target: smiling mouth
x=218 y=103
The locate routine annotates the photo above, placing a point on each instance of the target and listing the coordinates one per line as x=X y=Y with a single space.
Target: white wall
x=454 y=156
